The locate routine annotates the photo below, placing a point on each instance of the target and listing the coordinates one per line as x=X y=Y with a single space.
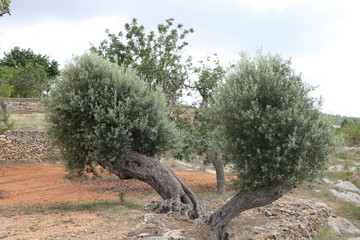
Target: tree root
x=172 y=208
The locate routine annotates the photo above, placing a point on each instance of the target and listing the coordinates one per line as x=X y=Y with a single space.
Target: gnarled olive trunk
x=165 y=182
x=242 y=201
x=220 y=173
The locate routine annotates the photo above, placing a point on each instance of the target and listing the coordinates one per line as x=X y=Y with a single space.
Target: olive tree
x=270 y=129
x=102 y=113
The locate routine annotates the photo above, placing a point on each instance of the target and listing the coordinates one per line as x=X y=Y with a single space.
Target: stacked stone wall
x=24 y=105
x=24 y=146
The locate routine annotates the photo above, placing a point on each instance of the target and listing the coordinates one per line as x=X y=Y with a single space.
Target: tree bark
x=220 y=173
x=177 y=195
x=242 y=201
x=4 y=112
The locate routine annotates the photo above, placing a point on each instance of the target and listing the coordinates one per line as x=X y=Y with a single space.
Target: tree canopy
x=102 y=111
x=271 y=129
x=28 y=73
x=158 y=56
x=18 y=57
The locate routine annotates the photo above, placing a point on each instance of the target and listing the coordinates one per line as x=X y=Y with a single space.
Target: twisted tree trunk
x=220 y=219
x=177 y=195
x=220 y=173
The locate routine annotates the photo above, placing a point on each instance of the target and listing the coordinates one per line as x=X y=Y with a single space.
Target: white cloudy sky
x=322 y=37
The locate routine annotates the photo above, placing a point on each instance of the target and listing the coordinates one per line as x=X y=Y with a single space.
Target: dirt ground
x=38 y=202
x=34 y=202
x=31 y=185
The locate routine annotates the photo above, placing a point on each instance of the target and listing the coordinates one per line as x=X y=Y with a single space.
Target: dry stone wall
x=24 y=146
x=24 y=105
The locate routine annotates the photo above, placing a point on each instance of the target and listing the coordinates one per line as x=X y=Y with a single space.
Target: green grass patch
x=341 y=155
x=348 y=210
x=96 y=205
x=343 y=175
x=64 y=207
x=28 y=119
x=325 y=234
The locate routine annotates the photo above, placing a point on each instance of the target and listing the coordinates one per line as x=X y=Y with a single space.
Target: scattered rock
x=347 y=196
x=210 y=171
x=342 y=226
x=268 y=213
x=291 y=218
x=325 y=180
x=353 y=168
x=347 y=186
x=157 y=219
x=184 y=164
x=287 y=218
x=142 y=235
x=155 y=238
x=177 y=234
x=336 y=168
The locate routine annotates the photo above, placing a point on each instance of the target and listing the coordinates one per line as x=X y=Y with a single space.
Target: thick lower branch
x=220 y=173
x=165 y=182
x=242 y=201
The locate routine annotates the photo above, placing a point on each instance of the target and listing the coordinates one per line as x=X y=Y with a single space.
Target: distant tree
x=158 y=56
x=5 y=92
x=351 y=132
x=105 y=114
x=209 y=78
x=34 y=72
x=4 y=7
x=18 y=57
x=209 y=75
x=271 y=130
x=29 y=81
x=344 y=123
x=199 y=130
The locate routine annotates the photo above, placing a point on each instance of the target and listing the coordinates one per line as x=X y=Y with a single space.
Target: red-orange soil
x=32 y=185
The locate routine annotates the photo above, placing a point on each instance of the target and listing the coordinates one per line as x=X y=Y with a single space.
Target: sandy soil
x=46 y=184
x=28 y=195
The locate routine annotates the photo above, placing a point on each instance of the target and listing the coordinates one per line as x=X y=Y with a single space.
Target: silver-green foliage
x=271 y=129
x=100 y=111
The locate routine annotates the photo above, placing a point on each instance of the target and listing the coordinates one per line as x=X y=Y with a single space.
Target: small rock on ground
x=342 y=226
x=347 y=196
x=347 y=186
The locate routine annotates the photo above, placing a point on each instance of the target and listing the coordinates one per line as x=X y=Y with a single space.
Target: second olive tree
x=271 y=130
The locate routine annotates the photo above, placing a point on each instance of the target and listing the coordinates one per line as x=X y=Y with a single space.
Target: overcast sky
x=322 y=37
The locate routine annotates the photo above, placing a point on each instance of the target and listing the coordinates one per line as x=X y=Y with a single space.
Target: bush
x=100 y=111
x=271 y=130
x=351 y=132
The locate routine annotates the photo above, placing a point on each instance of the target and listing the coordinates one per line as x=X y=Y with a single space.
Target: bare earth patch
x=37 y=202
x=31 y=185
x=34 y=199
